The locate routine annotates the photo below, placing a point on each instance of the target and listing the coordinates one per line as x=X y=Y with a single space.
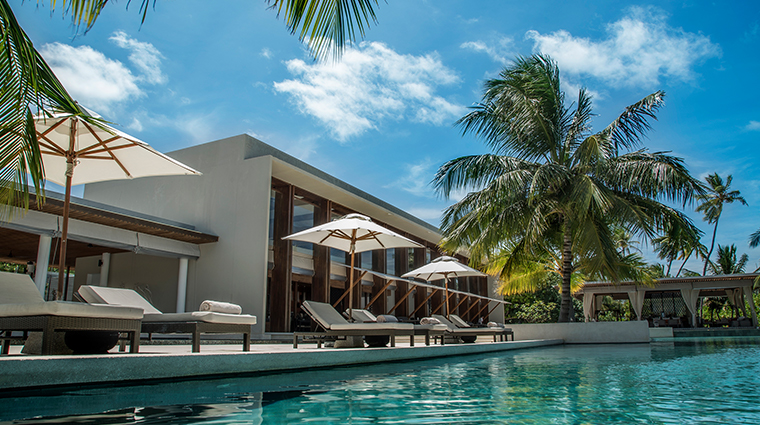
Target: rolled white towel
x=221 y=307
x=494 y=325
x=429 y=321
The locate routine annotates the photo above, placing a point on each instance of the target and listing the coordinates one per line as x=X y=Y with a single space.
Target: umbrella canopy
x=353 y=233
x=443 y=268
x=98 y=153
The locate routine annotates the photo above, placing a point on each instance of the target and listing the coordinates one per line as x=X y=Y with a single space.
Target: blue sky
x=382 y=117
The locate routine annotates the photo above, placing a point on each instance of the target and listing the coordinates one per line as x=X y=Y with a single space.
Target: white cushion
x=18 y=289
x=458 y=321
x=201 y=316
x=116 y=296
x=66 y=308
x=363 y=315
x=372 y=326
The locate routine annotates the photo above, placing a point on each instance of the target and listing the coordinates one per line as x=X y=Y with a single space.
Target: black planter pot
x=91 y=342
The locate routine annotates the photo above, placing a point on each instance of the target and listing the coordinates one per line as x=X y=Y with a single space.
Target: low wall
x=585 y=333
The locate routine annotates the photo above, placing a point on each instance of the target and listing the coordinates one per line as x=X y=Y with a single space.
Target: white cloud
x=426 y=213
x=500 y=50
x=265 y=52
x=639 y=49
x=416 y=179
x=143 y=55
x=90 y=77
x=753 y=126
x=370 y=84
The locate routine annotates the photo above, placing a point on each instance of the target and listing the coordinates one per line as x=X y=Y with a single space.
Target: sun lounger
x=364 y=316
x=154 y=321
x=466 y=334
x=335 y=325
x=23 y=309
x=461 y=324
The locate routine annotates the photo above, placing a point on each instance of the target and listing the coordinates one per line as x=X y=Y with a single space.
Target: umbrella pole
x=66 y=204
x=446 y=279
x=351 y=289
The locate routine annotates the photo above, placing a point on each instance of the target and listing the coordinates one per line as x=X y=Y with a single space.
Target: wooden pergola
x=735 y=287
x=480 y=305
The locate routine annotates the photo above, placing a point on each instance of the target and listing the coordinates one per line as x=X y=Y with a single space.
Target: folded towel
x=494 y=325
x=429 y=321
x=385 y=318
x=221 y=307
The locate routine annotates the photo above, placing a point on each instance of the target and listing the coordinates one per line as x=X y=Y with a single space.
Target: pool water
x=715 y=381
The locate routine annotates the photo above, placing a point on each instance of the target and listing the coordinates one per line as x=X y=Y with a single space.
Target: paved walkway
x=173 y=362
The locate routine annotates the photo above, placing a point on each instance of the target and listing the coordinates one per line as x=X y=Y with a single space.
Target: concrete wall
x=230 y=200
x=585 y=333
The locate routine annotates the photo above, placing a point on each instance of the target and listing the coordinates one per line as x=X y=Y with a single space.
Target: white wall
x=230 y=200
x=585 y=332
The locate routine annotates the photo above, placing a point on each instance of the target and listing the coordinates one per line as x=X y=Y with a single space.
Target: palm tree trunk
x=712 y=245
x=684 y=263
x=566 y=305
x=670 y=263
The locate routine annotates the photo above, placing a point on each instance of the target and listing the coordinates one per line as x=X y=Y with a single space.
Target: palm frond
x=326 y=25
x=28 y=86
x=627 y=129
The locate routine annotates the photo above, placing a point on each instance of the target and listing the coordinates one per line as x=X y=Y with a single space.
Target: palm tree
x=754 y=239
x=30 y=87
x=677 y=243
x=550 y=180
x=727 y=262
x=718 y=194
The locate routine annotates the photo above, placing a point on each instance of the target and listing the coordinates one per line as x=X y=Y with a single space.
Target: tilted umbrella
x=443 y=268
x=353 y=233
x=99 y=153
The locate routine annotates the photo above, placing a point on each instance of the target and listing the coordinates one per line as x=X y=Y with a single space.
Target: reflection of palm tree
x=563 y=184
x=32 y=87
x=718 y=194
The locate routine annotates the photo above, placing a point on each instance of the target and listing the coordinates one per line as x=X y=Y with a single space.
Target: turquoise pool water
x=689 y=382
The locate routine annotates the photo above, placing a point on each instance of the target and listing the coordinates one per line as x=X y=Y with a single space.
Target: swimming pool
x=714 y=381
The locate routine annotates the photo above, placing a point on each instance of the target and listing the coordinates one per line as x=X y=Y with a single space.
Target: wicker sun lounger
x=435 y=331
x=500 y=330
x=154 y=321
x=335 y=325
x=23 y=309
x=467 y=333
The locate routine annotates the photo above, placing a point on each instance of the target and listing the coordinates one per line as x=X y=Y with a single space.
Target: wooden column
x=379 y=264
x=280 y=292
x=420 y=258
x=320 y=286
x=402 y=266
x=438 y=297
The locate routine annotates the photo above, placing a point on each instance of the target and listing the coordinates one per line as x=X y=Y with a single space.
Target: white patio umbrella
x=443 y=268
x=353 y=233
x=98 y=153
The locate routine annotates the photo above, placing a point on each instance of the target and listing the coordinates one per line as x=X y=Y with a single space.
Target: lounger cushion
x=116 y=296
x=69 y=309
x=128 y=297
x=371 y=326
x=362 y=316
x=18 y=289
x=329 y=318
x=456 y=320
x=201 y=316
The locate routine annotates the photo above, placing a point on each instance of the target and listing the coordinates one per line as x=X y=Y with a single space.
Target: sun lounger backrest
x=116 y=296
x=324 y=314
x=362 y=316
x=18 y=288
x=444 y=321
x=458 y=321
